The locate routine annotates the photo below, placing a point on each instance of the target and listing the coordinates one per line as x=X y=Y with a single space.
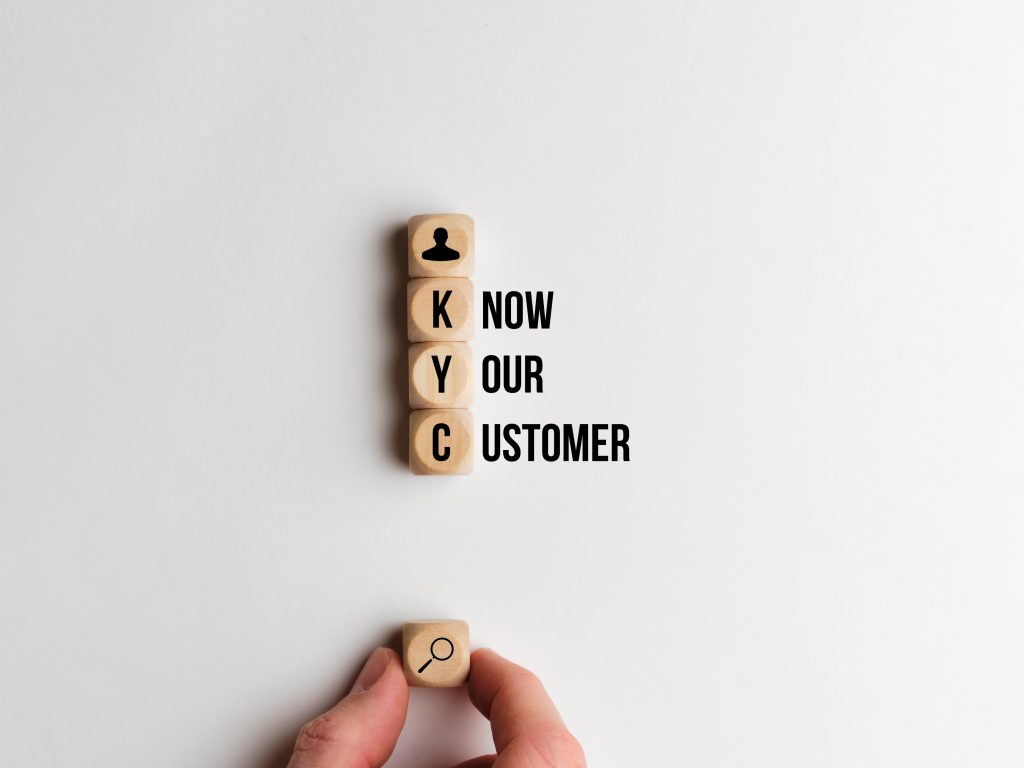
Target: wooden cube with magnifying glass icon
x=435 y=653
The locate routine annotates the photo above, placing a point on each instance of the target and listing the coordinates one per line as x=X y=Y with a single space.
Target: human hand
x=361 y=730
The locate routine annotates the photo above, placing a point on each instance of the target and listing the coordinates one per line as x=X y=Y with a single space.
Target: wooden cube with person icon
x=441 y=245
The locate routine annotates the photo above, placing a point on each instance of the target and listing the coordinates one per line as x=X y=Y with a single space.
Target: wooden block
x=435 y=654
x=441 y=245
x=440 y=309
x=440 y=375
x=441 y=442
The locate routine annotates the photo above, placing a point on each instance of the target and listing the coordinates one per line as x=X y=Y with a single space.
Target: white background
x=785 y=245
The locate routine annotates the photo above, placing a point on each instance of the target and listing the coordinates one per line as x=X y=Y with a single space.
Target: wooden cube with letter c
x=441 y=441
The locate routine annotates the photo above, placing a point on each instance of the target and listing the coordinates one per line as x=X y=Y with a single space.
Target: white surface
x=785 y=241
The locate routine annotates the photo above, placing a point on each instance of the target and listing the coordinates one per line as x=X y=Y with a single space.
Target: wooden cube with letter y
x=440 y=375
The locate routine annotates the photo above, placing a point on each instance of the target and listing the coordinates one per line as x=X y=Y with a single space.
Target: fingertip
x=525 y=723
x=394 y=661
x=485 y=653
x=362 y=728
x=390 y=683
x=374 y=667
x=510 y=696
x=487 y=662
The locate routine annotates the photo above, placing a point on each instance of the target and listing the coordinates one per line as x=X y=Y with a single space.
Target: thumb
x=359 y=731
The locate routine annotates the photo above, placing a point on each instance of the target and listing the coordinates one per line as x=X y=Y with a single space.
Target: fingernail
x=372 y=670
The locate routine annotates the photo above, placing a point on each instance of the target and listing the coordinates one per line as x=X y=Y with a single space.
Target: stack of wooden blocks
x=440 y=307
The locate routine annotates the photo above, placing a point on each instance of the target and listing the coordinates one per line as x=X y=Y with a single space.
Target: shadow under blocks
x=395 y=247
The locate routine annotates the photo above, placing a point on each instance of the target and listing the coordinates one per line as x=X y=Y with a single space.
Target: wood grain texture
x=435 y=653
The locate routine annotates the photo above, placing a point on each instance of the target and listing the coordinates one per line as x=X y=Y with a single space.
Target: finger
x=486 y=761
x=527 y=729
x=359 y=731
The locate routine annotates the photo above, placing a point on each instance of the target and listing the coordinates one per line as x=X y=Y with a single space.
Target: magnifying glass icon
x=441 y=650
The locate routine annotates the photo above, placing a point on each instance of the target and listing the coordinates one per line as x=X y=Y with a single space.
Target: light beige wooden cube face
x=435 y=654
x=440 y=375
x=440 y=309
x=441 y=245
x=441 y=441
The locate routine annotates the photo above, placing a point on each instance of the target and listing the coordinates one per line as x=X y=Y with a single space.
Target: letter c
x=441 y=453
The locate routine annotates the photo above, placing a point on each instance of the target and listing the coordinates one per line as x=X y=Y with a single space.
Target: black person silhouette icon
x=440 y=251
